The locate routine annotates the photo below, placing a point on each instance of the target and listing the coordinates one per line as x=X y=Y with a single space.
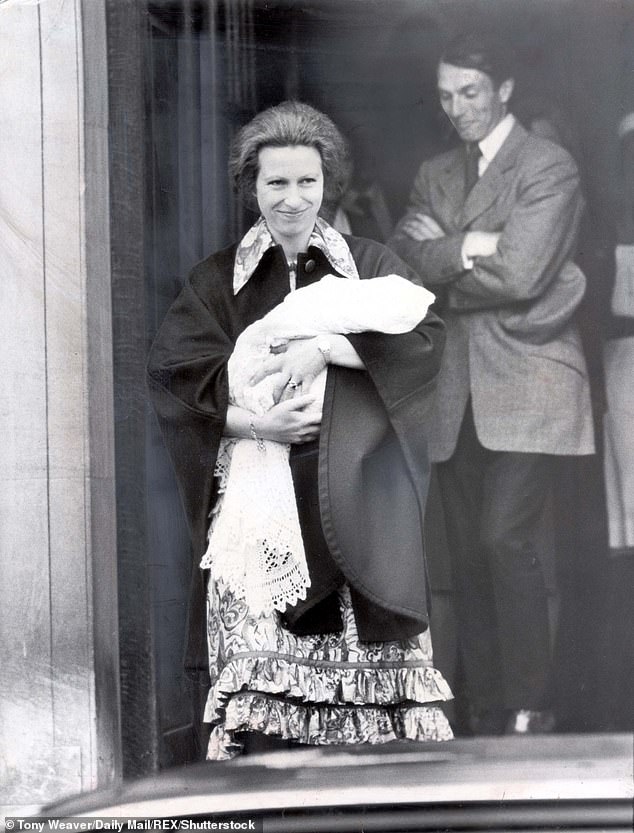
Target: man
x=490 y=227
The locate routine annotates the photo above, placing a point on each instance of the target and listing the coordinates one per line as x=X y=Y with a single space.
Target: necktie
x=473 y=155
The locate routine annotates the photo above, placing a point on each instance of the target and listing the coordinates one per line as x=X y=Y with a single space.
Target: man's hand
x=480 y=244
x=422 y=227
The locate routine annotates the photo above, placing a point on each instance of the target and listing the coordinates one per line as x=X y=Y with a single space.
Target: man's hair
x=481 y=51
x=294 y=124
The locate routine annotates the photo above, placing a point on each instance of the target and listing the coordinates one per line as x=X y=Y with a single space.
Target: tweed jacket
x=366 y=483
x=512 y=344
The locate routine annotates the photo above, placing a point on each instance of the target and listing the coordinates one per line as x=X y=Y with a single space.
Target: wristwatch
x=323 y=345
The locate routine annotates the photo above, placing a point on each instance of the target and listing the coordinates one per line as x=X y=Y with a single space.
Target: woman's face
x=289 y=189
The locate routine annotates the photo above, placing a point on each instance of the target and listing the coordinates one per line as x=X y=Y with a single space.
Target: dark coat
x=362 y=515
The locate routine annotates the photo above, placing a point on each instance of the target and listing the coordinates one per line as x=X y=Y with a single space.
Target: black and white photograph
x=317 y=415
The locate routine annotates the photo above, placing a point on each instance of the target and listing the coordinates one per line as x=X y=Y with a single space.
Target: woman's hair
x=290 y=124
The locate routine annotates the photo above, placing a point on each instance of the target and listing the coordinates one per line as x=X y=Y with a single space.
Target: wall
x=58 y=624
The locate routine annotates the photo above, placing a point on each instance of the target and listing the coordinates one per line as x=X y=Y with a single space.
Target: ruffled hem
x=336 y=684
x=322 y=725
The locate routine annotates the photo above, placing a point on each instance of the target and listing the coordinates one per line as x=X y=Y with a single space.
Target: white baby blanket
x=255 y=543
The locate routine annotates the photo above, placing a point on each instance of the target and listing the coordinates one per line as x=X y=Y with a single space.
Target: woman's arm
x=343 y=353
x=292 y=421
x=302 y=361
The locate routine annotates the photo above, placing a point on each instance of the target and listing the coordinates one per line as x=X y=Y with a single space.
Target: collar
x=491 y=144
x=259 y=240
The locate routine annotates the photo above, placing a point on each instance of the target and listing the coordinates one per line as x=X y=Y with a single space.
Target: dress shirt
x=489 y=146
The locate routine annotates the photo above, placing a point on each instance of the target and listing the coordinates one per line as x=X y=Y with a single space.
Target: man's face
x=472 y=101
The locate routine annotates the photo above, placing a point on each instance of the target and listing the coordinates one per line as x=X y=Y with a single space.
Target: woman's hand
x=299 y=361
x=292 y=421
x=298 y=366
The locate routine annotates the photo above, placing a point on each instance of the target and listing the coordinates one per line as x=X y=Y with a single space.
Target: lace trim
x=321 y=725
x=221 y=473
x=267 y=570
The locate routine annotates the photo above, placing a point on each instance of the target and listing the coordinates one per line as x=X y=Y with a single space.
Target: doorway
x=183 y=77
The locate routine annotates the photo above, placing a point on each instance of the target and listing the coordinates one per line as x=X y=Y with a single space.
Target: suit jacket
x=512 y=344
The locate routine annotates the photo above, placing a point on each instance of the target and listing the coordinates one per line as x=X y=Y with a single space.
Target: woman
x=351 y=660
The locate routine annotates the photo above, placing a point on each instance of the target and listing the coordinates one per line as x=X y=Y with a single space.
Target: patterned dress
x=318 y=689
